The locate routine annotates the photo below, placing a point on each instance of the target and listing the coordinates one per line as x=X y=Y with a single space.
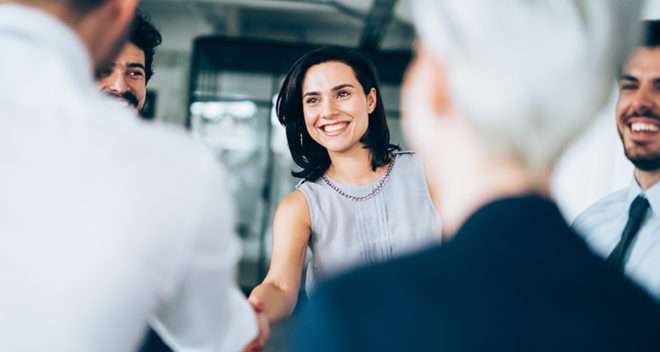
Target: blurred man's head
x=100 y=24
x=638 y=107
x=127 y=76
x=498 y=88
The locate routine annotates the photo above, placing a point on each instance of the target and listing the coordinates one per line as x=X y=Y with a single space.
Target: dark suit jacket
x=514 y=278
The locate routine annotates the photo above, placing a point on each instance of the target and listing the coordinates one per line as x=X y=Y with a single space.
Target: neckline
x=652 y=194
x=368 y=186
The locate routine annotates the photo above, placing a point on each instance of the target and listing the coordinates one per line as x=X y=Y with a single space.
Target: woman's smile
x=335 y=128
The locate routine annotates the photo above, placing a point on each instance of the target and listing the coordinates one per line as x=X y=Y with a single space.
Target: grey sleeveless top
x=346 y=233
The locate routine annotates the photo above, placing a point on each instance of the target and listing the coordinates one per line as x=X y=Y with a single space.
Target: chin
x=338 y=146
x=646 y=163
x=337 y=149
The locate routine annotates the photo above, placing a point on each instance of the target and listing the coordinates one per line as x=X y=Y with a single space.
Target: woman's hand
x=263 y=324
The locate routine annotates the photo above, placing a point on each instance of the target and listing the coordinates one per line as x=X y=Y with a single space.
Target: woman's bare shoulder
x=294 y=206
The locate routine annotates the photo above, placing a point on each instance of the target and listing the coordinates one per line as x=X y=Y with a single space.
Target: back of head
x=101 y=25
x=78 y=6
x=528 y=74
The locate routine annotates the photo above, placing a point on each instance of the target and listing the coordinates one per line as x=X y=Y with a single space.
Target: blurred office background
x=218 y=72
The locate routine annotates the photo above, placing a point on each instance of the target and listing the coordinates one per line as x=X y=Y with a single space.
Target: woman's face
x=335 y=106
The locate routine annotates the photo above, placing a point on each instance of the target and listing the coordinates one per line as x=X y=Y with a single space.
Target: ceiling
x=364 y=23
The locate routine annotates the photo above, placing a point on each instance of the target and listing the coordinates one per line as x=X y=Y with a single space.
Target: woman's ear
x=372 y=100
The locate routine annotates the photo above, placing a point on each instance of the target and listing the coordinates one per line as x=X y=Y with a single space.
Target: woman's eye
x=343 y=94
x=311 y=100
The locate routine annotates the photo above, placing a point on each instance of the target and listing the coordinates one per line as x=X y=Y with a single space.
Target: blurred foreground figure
x=105 y=224
x=496 y=91
x=624 y=226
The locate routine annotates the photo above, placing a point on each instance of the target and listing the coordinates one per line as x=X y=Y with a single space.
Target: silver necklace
x=366 y=196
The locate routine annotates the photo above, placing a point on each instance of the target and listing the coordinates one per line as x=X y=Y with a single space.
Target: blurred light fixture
x=214 y=110
x=225 y=125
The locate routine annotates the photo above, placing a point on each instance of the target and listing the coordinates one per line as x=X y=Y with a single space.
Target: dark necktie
x=619 y=255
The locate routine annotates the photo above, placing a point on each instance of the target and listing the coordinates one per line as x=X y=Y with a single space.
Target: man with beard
x=624 y=226
x=106 y=224
x=128 y=75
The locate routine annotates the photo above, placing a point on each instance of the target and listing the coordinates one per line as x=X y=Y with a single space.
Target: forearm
x=278 y=303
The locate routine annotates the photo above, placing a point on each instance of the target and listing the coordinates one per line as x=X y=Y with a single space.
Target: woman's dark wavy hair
x=309 y=155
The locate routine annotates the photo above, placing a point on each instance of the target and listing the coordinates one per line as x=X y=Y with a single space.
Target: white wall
x=172 y=62
x=593 y=166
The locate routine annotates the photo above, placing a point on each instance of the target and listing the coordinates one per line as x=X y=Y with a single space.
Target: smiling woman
x=360 y=200
x=332 y=79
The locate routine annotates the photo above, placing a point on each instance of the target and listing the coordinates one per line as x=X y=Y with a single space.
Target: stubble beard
x=649 y=162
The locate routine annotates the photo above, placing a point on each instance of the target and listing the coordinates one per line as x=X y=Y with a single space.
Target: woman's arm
x=278 y=293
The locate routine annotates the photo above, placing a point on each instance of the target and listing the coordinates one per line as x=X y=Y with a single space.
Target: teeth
x=643 y=127
x=334 y=127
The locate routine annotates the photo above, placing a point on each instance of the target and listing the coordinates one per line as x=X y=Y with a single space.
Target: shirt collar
x=652 y=195
x=36 y=26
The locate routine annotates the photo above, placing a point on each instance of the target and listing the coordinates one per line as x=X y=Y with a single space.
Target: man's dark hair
x=146 y=37
x=87 y=4
x=651 y=33
x=309 y=155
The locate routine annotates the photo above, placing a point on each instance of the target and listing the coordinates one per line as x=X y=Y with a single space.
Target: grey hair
x=529 y=74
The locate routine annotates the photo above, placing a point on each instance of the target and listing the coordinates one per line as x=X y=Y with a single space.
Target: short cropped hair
x=650 y=33
x=309 y=155
x=146 y=37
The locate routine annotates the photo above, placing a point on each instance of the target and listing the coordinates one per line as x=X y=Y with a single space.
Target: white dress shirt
x=602 y=225
x=106 y=223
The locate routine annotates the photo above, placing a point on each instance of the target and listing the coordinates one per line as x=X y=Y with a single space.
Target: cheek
x=309 y=123
x=140 y=89
x=103 y=83
x=361 y=113
x=364 y=122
